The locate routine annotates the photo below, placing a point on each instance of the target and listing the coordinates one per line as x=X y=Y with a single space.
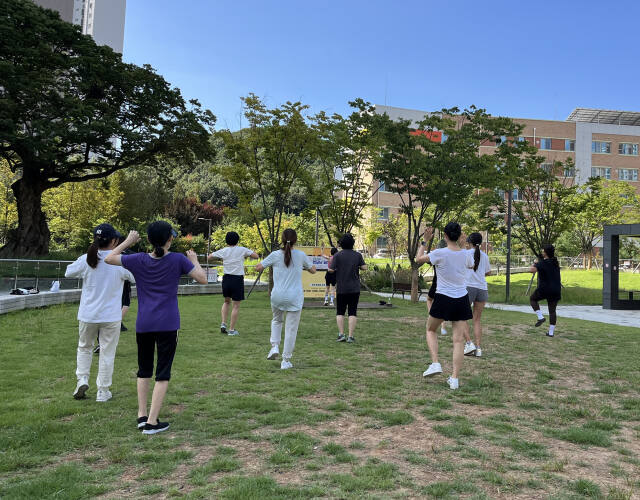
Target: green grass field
x=535 y=418
x=580 y=287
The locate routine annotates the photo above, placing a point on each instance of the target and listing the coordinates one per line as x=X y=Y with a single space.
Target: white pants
x=290 y=330
x=109 y=336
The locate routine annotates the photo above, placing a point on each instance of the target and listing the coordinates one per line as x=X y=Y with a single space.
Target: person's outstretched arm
x=197 y=273
x=114 y=257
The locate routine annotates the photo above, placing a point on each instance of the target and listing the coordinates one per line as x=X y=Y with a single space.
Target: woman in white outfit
x=100 y=310
x=451 y=301
x=478 y=292
x=287 y=296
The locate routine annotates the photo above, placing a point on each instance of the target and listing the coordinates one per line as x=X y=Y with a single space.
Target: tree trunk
x=590 y=263
x=414 y=281
x=31 y=238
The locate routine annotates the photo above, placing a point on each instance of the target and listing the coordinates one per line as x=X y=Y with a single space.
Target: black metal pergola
x=611 y=298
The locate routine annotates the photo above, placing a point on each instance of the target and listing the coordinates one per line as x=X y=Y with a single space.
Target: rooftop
x=604 y=116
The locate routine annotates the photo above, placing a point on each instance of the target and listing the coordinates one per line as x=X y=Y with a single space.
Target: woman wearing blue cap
x=99 y=311
x=157 y=277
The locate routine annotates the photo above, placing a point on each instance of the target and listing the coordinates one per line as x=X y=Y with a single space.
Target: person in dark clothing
x=549 y=286
x=346 y=264
x=330 y=281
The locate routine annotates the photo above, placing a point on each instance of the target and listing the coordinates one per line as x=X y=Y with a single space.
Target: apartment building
x=602 y=143
x=102 y=19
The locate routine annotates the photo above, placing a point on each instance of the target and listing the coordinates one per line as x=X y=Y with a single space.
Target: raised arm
x=197 y=273
x=422 y=256
x=114 y=257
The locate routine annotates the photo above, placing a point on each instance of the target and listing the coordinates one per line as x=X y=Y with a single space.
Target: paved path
x=588 y=313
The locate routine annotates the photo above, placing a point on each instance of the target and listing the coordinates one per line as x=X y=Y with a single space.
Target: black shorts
x=432 y=290
x=537 y=295
x=347 y=300
x=126 y=294
x=450 y=309
x=330 y=279
x=166 y=343
x=233 y=287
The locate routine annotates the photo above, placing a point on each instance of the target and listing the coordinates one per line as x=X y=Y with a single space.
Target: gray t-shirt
x=346 y=264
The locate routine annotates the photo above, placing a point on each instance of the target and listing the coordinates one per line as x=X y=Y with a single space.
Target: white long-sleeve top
x=101 y=298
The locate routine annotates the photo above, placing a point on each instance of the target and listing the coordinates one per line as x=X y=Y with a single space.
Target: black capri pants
x=166 y=343
x=348 y=301
x=126 y=294
x=552 y=302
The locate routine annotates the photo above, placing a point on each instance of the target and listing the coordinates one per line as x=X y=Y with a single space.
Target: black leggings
x=166 y=343
x=537 y=297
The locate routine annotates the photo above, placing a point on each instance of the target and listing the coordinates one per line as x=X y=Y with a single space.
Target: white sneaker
x=469 y=349
x=443 y=330
x=273 y=353
x=81 y=389
x=103 y=395
x=453 y=383
x=478 y=352
x=434 y=369
x=285 y=365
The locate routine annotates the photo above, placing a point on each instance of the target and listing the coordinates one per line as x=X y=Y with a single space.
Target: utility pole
x=209 y=237
x=508 y=281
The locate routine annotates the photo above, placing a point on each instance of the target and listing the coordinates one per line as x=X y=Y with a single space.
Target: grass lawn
x=580 y=287
x=535 y=418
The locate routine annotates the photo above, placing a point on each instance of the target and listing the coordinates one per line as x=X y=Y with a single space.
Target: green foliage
x=267 y=161
x=82 y=114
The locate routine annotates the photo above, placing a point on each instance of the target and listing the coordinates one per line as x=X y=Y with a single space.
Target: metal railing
x=40 y=274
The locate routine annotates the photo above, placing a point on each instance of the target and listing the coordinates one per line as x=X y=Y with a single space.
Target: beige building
x=602 y=143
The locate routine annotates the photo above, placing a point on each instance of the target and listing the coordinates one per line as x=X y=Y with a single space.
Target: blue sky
x=521 y=59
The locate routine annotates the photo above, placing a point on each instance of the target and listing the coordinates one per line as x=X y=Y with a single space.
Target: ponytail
x=289 y=238
x=476 y=240
x=551 y=254
x=158 y=251
x=476 y=258
x=92 y=251
x=92 y=254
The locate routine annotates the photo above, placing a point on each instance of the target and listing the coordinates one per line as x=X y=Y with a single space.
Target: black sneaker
x=97 y=349
x=123 y=328
x=341 y=338
x=154 y=429
x=549 y=334
x=223 y=329
x=142 y=421
x=540 y=321
x=351 y=340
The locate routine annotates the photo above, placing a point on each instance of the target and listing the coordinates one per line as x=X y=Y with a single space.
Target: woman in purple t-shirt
x=157 y=277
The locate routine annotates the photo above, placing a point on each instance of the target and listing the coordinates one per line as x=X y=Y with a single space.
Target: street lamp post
x=209 y=238
x=508 y=280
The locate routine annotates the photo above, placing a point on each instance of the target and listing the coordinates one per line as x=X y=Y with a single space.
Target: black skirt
x=450 y=309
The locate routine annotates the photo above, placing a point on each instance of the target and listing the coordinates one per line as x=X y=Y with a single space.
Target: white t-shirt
x=287 y=281
x=233 y=259
x=476 y=279
x=101 y=298
x=451 y=268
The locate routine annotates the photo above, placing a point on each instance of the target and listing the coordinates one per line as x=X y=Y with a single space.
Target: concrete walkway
x=588 y=313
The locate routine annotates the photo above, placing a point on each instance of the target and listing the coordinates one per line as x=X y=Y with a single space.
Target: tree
x=596 y=203
x=266 y=162
x=547 y=207
x=72 y=111
x=188 y=212
x=434 y=177
x=8 y=210
x=394 y=229
x=345 y=184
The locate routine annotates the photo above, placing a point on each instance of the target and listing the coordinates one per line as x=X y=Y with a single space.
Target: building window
x=381 y=242
x=628 y=174
x=516 y=195
x=569 y=172
x=600 y=147
x=569 y=145
x=604 y=172
x=382 y=187
x=626 y=148
x=547 y=167
x=383 y=213
x=545 y=143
